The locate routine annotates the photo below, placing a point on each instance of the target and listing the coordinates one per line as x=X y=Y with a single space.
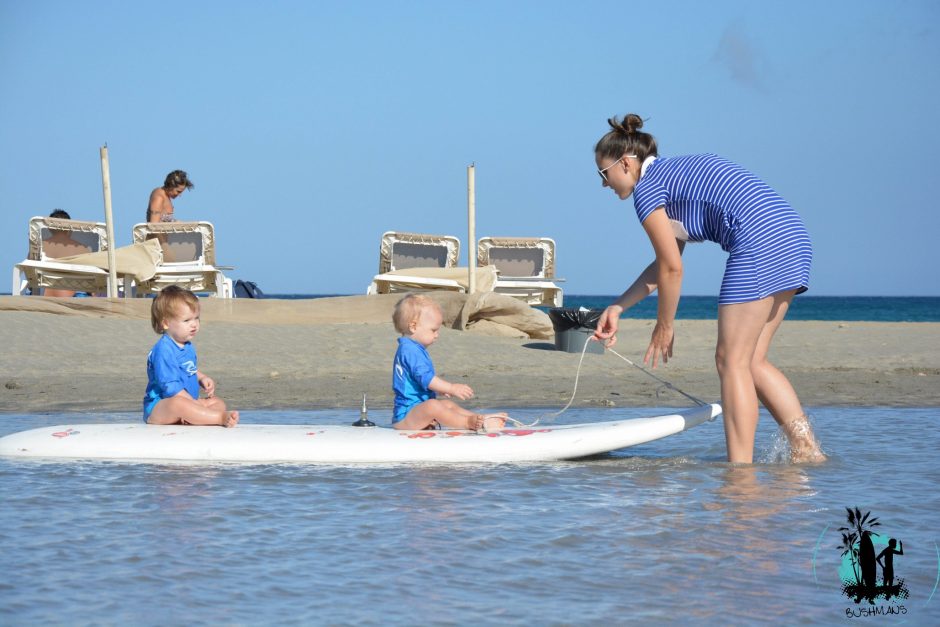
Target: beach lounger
x=188 y=258
x=526 y=268
x=51 y=239
x=416 y=261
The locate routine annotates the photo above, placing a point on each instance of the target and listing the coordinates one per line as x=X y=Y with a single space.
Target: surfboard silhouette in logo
x=868 y=565
x=858 y=549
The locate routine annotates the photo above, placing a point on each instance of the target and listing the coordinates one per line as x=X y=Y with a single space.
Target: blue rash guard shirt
x=170 y=368
x=411 y=374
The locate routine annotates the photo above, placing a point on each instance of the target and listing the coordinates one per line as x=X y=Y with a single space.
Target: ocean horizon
x=804 y=307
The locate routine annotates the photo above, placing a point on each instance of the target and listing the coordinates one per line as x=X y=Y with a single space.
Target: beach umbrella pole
x=472 y=229
x=108 y=221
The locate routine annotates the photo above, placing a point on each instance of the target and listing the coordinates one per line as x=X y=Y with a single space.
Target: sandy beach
x=90 y=355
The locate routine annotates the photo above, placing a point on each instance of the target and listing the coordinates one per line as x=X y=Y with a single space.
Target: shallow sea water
x=663 y=532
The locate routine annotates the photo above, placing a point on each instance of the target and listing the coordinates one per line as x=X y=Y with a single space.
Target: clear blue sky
x=309 y=128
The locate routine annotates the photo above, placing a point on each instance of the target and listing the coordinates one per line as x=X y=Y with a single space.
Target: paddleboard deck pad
x=267 y=444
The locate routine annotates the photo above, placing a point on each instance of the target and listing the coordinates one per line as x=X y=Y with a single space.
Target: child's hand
x=208 y=385
x=461 y=391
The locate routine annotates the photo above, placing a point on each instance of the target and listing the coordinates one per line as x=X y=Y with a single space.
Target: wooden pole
x=472 y=228
x=108 y=221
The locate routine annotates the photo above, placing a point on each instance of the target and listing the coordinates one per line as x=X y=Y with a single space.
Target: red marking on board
x=454 y=434
x=517 y=432
x=422 y=435
x=65 y=434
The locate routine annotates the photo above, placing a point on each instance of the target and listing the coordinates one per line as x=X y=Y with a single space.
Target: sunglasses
x=603 y=172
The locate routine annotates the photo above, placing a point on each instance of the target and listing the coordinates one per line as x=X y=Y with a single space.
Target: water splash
x=779 y=451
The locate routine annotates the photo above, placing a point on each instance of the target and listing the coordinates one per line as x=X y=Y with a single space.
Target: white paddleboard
x=340 y=443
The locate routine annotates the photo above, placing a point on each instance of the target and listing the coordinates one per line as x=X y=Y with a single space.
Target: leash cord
x=663 y=381
x=574 y=393
x=577 y=377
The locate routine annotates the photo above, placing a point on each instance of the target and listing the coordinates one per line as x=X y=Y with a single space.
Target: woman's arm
x=609 y=321
x=643 y=286
x=668 y=283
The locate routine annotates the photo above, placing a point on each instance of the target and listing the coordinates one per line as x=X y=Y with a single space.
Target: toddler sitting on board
x=173 y=379
x=416 y=386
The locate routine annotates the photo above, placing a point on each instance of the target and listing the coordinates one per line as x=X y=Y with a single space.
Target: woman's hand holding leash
x=607 y=325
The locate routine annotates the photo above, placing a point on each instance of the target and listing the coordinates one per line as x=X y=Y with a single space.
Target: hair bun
x=630 y=124
x=633 y=122
x=626 y=138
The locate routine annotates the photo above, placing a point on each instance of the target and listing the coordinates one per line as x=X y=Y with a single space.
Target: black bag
x=247 y=289
x=564 y=319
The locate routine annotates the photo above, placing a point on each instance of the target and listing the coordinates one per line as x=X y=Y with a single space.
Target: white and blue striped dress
x=716 y=200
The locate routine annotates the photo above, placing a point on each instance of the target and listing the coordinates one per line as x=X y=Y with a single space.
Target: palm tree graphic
x=848 y=548
x=857 y=544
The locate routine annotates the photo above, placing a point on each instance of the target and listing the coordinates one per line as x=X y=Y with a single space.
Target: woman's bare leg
x=739 y=329
x=776 y=392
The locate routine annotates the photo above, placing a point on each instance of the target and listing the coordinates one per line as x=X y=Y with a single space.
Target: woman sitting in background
x=160 y=208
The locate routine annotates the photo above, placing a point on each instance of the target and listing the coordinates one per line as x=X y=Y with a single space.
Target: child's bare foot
x=487 y=422
x=230 y=419
x=494 y=422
